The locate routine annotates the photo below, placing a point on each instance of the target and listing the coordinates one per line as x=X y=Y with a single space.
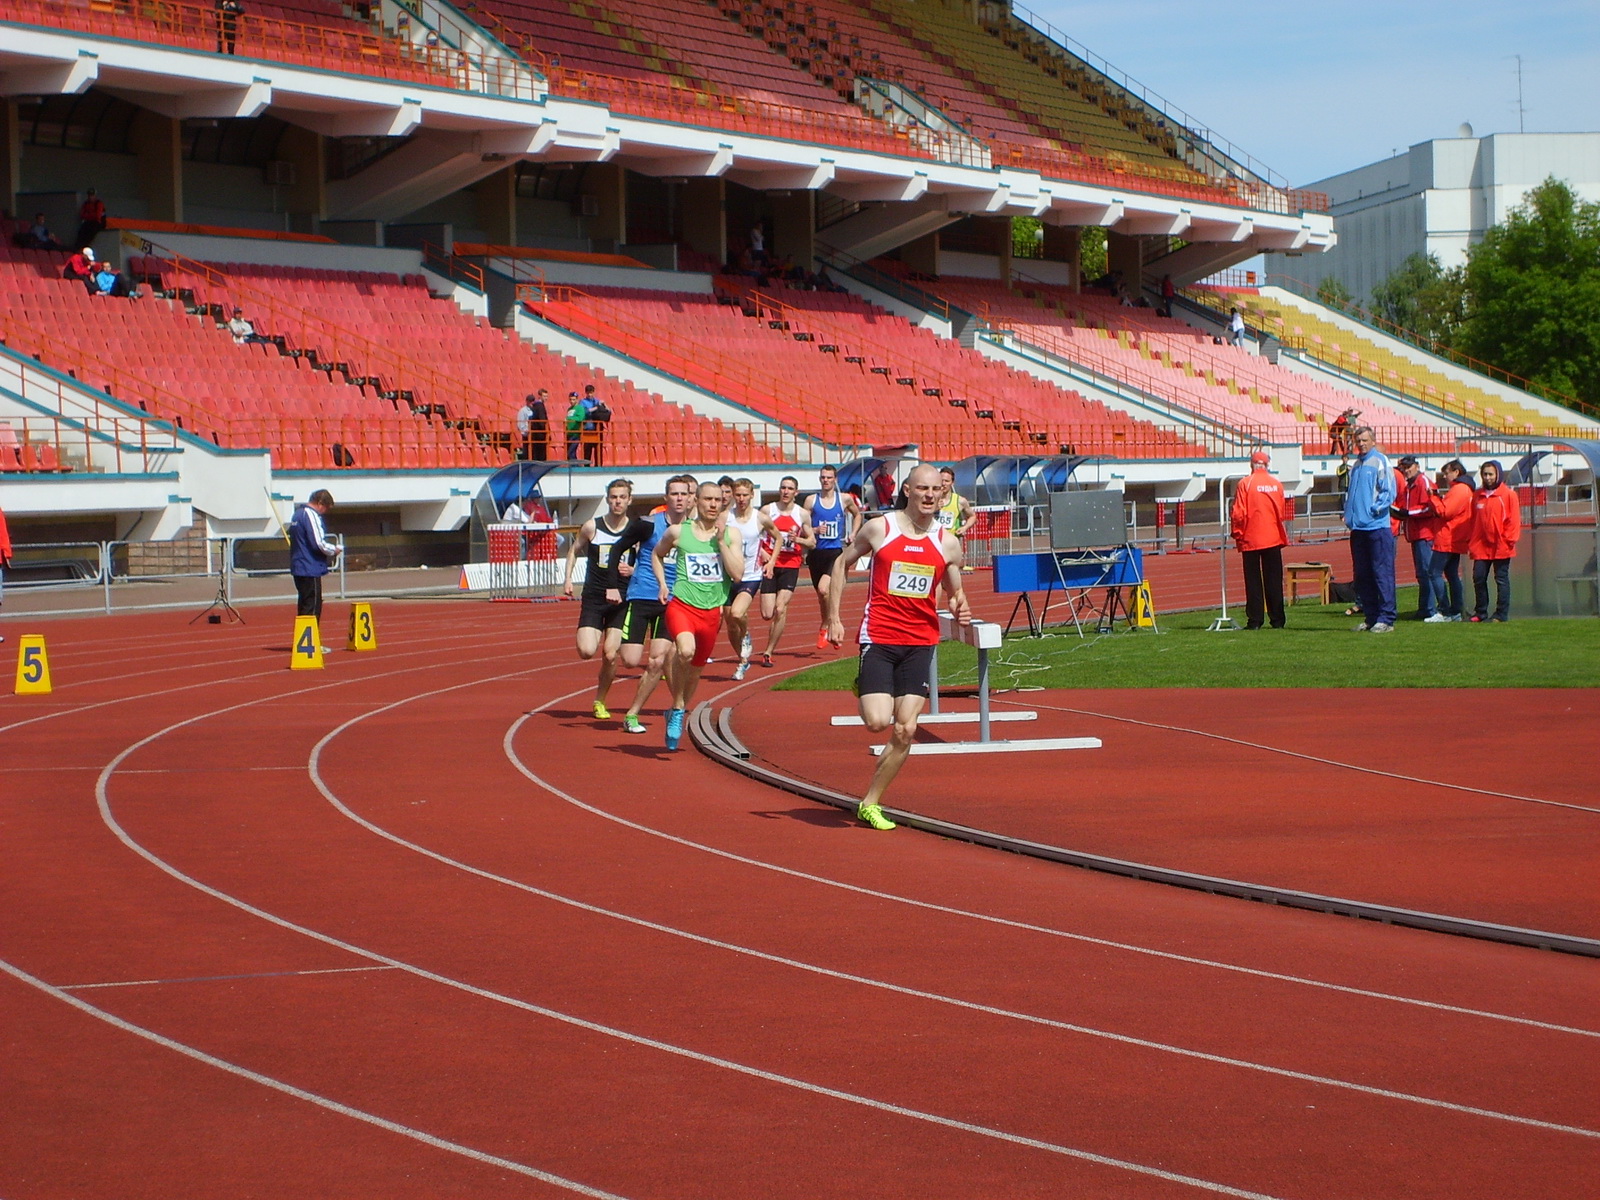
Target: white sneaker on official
x=1436 y=619
x=1382 y=627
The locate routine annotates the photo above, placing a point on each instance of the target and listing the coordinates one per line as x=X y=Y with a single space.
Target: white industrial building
x=1439 y=197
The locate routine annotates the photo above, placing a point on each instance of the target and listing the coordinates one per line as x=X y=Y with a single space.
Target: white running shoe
x=1382 y=627
x=746 y=646
x=741 y=669
x=1436 y=619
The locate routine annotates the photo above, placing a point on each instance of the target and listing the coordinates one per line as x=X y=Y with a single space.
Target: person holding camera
x=311 y=553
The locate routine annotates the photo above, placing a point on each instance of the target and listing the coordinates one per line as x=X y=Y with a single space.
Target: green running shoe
x=632 y=724
x=872 y=814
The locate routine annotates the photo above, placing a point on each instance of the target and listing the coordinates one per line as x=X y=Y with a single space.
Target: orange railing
x=1000 y=432
x=325 y=47
x=113 y=444
x=303 y=329
x=1367 y=317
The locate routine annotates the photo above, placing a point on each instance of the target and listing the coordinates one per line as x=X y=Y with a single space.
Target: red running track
x=418 y=926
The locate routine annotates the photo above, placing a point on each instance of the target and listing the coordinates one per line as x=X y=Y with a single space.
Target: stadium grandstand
x=768 y=233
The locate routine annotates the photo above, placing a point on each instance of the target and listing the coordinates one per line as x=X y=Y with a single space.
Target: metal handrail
x=1366 y=316
x=202 y=27
x=333 y=343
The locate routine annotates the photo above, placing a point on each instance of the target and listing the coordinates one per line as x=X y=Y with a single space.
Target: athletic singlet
x=902 y=608
x=949 y=514
x=790 y=554
x=829 y=522
x=750 y=534
x=702 y=580
x=602 y=572
x=642 y=585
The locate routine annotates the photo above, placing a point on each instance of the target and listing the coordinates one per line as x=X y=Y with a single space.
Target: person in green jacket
x=577 y=413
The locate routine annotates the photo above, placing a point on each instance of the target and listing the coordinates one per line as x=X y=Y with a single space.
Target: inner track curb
x=714 y=737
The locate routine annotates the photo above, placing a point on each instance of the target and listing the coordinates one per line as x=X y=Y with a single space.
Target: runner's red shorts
x=704 y=623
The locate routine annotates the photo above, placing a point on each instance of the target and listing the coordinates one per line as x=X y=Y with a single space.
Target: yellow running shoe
x=601 y=712
x=872 y=814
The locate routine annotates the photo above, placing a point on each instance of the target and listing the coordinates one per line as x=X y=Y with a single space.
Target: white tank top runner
x=750 y=534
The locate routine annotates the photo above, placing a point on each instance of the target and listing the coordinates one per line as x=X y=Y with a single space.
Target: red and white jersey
x=789 y=524
x=902 y=605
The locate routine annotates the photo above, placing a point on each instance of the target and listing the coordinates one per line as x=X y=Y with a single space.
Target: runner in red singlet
x=911 y=557
x=794 y=538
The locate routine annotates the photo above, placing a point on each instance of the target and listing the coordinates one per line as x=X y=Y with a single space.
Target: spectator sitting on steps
x=244 y=333
x=38 y=236
x=82 y=267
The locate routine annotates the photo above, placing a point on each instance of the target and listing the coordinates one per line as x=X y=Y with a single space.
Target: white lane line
x=275 y=672
x=1009 y=923
x=109 y=818
x=84 y=987
x=1090 y=1031
x=1327 y=762
x=314 y=768
x=289 y=1089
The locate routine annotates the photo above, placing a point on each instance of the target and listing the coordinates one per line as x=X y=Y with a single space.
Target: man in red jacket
x=1257 y=522
x=1452 y=506
x=1414 y=500
x=1496 y=526
x=5 y=555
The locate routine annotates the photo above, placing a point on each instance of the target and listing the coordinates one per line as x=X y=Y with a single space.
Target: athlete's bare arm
x=730 y=548
x=955 y=593
x=807 y=536
x=577 y=546
x=966 y=516
x=658 y=560
x=866 y=541
x=853 y=507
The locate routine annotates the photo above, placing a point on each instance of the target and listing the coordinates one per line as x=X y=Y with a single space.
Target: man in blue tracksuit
x=1367 y=501
x=310 y=552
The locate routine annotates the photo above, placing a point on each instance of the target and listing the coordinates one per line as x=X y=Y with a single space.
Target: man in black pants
x=310 y=553
x=1259 y=532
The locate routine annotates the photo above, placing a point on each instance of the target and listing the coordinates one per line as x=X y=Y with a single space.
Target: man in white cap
x=1258 y=531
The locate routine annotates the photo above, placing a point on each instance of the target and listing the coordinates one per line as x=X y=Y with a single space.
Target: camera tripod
x=221 y=607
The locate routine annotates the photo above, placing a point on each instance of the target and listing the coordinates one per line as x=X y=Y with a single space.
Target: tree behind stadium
x=1534 y=288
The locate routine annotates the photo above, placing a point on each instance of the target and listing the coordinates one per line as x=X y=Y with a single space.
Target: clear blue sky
x=1314 y=90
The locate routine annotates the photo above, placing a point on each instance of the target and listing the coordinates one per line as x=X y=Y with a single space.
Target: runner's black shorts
x=894 y=670
x=821 y=563
x=783 y=579
x=645 y=621
x=600 y=613
x=745 y=587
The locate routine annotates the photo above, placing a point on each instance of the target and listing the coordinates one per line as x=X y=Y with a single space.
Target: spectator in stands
x=533 y=426
x=311 y=553
x=91 y=219
x=1496 y=526
x=758 y=243
x=595 y=419
x=244 y=332
x=1366 y=514
x=1452 y=505
x=1339 y=432
x=5 y=556
x=228 y=14
x=1236 y=328
x=38 y=236
x=1169 y=293
x=883 y=486
x=577 y=411
x=81 y=266
x=1256 y=520
x=108 y=281
x=1419 y=523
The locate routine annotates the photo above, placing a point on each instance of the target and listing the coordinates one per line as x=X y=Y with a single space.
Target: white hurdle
x=983 y=636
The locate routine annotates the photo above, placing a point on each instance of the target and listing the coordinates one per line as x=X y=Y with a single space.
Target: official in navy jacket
x=310 y=552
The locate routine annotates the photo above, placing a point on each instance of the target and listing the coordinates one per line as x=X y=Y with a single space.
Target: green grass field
x=1317 y=650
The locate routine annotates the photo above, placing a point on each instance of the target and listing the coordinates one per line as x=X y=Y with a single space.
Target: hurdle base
x=1001 y=747
x=950 y=718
